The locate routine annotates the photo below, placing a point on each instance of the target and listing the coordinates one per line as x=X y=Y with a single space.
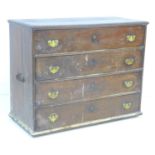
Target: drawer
x=87 y=39
x=71 y=66
x=71 y=114
x=68 y=91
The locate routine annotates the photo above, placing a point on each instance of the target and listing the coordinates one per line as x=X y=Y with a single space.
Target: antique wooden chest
x=68 y=73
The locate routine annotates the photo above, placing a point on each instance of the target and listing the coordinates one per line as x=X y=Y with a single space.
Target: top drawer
x=86 y=39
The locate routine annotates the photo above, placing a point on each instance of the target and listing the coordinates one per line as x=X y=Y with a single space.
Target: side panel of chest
x=21 y=76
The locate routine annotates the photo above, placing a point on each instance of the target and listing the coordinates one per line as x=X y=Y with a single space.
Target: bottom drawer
x=65 y=116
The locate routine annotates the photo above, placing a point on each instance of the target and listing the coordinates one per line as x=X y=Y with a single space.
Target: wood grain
x=78 y=113
x=103 y=62
x=81 y=39
x=71 y=91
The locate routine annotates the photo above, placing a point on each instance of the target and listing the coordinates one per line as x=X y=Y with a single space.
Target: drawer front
x=66 y=115
x=59 y=67
x=85 y=89
x=86 y=39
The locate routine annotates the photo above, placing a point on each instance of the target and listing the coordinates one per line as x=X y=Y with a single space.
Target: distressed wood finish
x=86 y=89
x=72 y=114
x=82 y=39
x=103 y=62
x=68 y=73
x=21 y=66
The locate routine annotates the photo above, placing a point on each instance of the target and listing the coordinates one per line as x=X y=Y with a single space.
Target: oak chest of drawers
x=68 y=73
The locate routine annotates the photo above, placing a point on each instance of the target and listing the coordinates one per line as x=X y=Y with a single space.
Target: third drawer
x=62 y=92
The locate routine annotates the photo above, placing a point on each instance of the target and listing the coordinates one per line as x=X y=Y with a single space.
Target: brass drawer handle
x=127 y=105
x=53 y=95
x=128 y=83
x=54 y=69
x=131 y=37
x=53 y=43
x=53 y=117
x=129 y=61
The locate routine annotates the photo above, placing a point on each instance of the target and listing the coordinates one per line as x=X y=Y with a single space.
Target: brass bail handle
x=131 y=37
x=129 y=61
x=53 y=43
x=128 y=83
x=53 y=94
x=54 y=69
x=53 y=117
x=127 y=105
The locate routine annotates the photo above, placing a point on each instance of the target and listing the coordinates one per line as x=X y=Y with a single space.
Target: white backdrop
x=132 y=136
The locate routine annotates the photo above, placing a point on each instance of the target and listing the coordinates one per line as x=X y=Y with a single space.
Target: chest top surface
x=74 y=22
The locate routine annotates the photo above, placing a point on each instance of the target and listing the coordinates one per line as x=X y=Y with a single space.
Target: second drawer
x=68 y=91
x=107 y=61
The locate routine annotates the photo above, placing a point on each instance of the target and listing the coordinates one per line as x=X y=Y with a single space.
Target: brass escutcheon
x=94 y=38
x=53 y=43
x=91 y=108
x=127 y=105
x=128 y=83
x=129 y=61
x=53 y=117
x=53 y=95
x=54 y=69
x=131 y=37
